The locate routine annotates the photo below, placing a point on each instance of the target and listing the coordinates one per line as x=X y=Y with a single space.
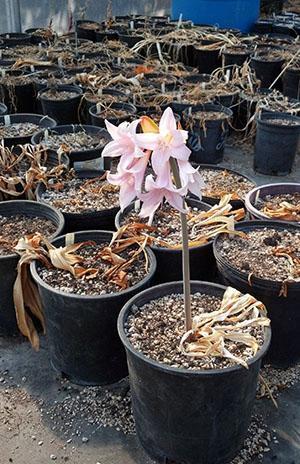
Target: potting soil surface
x=46 y=419
x=83 y=196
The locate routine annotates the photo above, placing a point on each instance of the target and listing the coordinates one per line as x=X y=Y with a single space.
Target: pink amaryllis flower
x=164 y=140
x=123 y=144
x=130 y=180
x=156 y=195
x=190 y=178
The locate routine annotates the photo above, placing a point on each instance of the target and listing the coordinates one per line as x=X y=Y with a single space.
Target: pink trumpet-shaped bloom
x=190 y=178
x=156 y=194
x=166 y=142
x=123 y=143
x=130 y=180
x=158 y=144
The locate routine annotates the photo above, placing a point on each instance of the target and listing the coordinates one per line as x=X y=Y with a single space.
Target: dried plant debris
x=73 y=141
x=15 y=226
x=225 y=332
x=22 y=129
x=235 y=319
x=266 y=252
x=85 y=268
x=22 y=170
x=222 y=182
x=285 y=207
x=165 y=230
x=79 y=195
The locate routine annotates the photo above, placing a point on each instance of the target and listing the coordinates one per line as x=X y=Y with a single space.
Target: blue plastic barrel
x=240 y=14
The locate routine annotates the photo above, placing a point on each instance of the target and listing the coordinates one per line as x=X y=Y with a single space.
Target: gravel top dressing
x=12 y=228
x=56 y=95
x=219 y=183
x=21 y=129
x=282 y=206
x=73 y=141
x=156 y=329
x=98 y=285
x=166 y=224
x=256 y=252
x=83 y=196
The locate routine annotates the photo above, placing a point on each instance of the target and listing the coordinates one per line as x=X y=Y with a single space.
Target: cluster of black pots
x=195 y=417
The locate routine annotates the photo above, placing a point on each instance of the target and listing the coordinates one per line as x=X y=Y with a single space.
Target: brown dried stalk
x=231 y=323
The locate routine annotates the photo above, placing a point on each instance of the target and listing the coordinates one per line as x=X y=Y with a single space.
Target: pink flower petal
x=168 y=122
x=148 y=141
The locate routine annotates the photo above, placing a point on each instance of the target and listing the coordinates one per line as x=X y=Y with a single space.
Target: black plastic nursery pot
x=236 y=57
x=77 y=155
x=206 y=60
x=8 y=264
x=267 y=70
x=99 y=120
x=40 y=35
x=18 y=97
x=214 y=201
x=41 y=121
x=207 y=139
x=87 y=102
x=189 y=416
x=130 y=39
x=63 y=111
x=260 y=192
x=93 y=220
x=291 y=83
x=276 y=144
x=86 y=29
x=11 y=39
x=169 y=262
x=82 y=330
x=283 y=311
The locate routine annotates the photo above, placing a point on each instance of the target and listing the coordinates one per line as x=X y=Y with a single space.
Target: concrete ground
x=44 y=418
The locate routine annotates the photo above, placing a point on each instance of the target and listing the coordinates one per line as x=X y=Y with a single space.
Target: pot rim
x=176 y=370
x=59 y=215
x=15 y=116
x=39 y=281
x=251 y=207
x=257 y=224
x=85 y=127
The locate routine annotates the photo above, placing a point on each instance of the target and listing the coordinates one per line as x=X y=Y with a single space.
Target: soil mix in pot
x=222 y=182
x=53 y=94
x=100 y=262
x=284 y=207
x=156 y=329
x=14 y=227
x=81 y=195
x=266 y=253
x=22 y=129
x=72 y=141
